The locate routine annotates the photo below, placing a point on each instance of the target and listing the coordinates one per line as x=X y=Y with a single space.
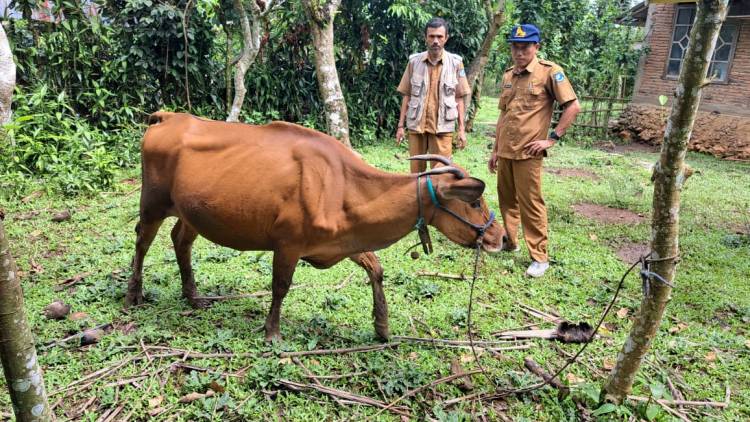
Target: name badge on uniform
x=508 y=86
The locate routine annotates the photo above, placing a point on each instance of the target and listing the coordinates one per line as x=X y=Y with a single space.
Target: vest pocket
x=413 y=111
x=451 y=108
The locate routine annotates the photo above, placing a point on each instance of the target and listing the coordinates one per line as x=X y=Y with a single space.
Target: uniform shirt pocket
x=505 y=98
x=533 y=97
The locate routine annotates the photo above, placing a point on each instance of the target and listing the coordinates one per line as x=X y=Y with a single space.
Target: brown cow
x=294 y=191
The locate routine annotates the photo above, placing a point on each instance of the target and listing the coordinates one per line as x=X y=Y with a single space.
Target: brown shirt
x=430 y=116
x=526 y=103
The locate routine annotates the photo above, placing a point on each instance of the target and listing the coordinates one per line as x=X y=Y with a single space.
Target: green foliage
x=51 y=141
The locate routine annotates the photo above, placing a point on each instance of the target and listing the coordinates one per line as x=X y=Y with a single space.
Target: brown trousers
x=519 y=189
x=429 y=143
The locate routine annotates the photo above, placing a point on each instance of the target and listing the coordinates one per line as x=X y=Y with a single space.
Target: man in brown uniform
x=433 y=88
x=530 y=88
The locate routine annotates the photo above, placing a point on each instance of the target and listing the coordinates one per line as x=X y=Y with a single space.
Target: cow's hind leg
x=283 y=271
x=183 y=237
x=145 y=232
x=369 y=261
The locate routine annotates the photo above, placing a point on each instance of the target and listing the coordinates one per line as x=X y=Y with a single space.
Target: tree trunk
x=475 y=74
x=22 y=372
x=7 y=78
x=670 y=173
x=250 y=46
x=321 y=19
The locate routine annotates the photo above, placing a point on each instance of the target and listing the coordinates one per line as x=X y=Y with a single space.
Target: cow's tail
x=159 y=117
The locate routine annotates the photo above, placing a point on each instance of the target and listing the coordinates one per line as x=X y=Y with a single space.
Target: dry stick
x=336 y=377
x=334 y=351
x=451 y=342
x=114 y=413
x=315 y=380
x=242 y=296
x=344 y=282
x=523 y=327
x=98 y=373
x=537 y=370
x=539 y=314
x=674 y=412
x=469 y=397
x=718 y=404
x=344 y=395
x=441 y=275
x=429 y=385
x=145 y=352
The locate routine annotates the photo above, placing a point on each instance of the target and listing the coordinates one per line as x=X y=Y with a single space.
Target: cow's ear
x=469 y=189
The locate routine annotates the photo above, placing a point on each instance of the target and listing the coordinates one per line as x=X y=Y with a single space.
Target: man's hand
x=492 y=163
x=399 y=136
x=461 y=140
x=538 y=147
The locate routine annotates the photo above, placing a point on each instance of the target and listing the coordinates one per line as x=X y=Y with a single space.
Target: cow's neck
x=385 y=206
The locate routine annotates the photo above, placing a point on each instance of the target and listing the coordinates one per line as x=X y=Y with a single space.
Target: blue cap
x=524 y=33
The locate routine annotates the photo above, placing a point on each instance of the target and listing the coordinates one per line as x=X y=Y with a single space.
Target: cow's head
x=462 y=211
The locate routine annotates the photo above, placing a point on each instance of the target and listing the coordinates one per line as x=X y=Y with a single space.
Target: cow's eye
x=476 y=204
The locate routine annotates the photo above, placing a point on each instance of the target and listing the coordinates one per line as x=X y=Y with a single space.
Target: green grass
x=711 y=300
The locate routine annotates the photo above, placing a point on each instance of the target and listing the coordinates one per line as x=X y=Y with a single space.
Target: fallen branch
x=451 y=342
x=337 y=377
x=537 y=370
x=442 y=275
x=429 y=385
x=309 y=374
x=523 y=327
x=717 y=404
x=321 y=352
x=294 y=386
x=539 y=314
x=565 y=332
x=261 y=293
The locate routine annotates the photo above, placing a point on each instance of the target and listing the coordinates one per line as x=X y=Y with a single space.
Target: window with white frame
x=722 y=58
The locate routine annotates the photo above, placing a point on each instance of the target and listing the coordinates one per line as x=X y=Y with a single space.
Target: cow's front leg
x=183 y=237
x=284 y=264
x=369 y=261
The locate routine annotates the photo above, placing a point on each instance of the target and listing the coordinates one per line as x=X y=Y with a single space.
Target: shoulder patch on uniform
x=559 y=76
x=462 y=73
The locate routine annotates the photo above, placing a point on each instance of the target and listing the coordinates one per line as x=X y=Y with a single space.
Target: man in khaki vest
x=433 y=88
x=530 y=88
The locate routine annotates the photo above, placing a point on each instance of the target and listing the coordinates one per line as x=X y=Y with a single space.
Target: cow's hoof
x=383 y=333
x=199 y=303
x=272 y=337
x=133 y=299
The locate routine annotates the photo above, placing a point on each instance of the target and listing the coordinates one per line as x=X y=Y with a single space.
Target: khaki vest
x=420 y=82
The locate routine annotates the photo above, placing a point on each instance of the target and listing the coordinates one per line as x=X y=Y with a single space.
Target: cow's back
x=244 y=186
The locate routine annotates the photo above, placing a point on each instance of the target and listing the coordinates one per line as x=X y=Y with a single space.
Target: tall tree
x=670 y=173
x=321 y=14
x=7 y=77
x=17 y=352
x=251 y=35
x=475 y=75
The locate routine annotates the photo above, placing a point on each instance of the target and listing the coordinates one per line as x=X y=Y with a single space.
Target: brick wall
x=730 y=98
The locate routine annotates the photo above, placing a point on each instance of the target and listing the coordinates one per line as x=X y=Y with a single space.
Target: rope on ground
x=646 y=275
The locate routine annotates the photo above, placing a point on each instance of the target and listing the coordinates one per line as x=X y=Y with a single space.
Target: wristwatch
x=554 y=136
